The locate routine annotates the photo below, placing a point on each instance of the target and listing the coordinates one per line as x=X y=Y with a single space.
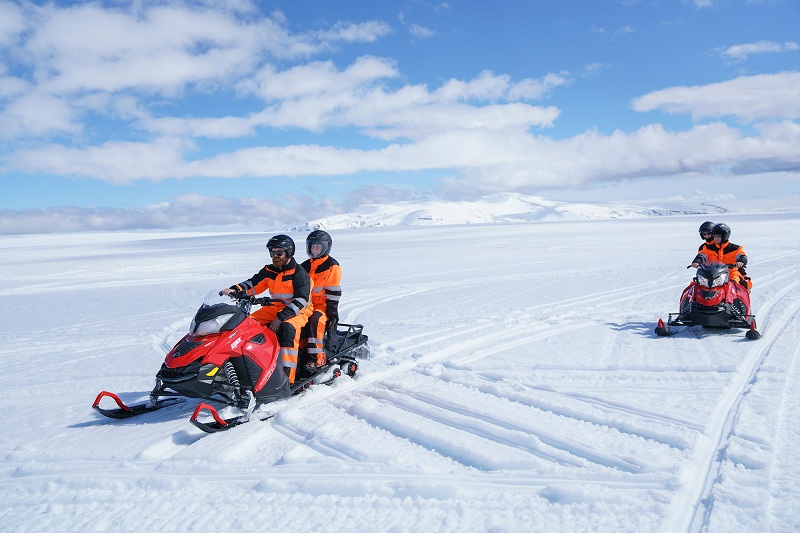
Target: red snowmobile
x=712 y=300
x=229 y=358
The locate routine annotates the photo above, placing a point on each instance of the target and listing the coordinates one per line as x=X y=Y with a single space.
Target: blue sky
x=118 y=115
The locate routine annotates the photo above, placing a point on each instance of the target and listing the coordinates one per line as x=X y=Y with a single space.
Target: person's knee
x=287 y=334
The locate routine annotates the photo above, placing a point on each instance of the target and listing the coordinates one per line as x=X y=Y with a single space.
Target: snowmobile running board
x=327 y=375
x=128 y=411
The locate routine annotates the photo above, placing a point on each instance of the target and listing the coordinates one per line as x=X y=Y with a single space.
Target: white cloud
x=748 y=98
x=421 y=122
x=500 y=159
x=531 y=163
x=157 y=50
x=421 y=32
x=367 y=32
x=109 y=61
x=115 y=162
x=90 y=48
x=181 y=211
x=11 y=86
x=316 y=96
x=314 y=79
x=38 y=113
x=12 y=23
x=490 y=87
x=744 y=51
x=615 y=34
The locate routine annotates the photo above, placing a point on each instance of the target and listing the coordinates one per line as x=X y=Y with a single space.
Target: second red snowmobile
x=712 y=300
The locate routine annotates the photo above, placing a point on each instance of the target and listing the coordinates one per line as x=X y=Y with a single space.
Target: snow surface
x=515 y=384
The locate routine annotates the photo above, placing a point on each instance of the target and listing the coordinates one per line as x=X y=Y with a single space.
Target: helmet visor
x=316 y=248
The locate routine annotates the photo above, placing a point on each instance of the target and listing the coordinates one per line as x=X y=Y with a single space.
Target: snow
x=515 y=384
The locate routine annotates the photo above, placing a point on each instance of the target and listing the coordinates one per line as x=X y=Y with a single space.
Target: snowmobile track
x=695 y=502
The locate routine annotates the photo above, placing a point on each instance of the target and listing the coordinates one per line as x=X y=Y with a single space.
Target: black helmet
x=706 y=227
x=723 y=230
x=319 y=237
x=282 y=241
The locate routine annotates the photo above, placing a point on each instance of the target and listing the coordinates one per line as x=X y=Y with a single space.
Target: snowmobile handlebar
x=238 y=296
x=729 y=265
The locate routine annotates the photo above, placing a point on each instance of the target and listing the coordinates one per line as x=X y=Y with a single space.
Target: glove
x=332 y=327
x=233 y=292
x=260 y=301
x=236 y=295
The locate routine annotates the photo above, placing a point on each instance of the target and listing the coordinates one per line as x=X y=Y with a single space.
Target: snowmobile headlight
x=702 y=280
x=207 y=327
x=719 y=281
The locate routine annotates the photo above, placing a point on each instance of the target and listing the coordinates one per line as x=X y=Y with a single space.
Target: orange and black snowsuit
x=290 y=295
x=326 y=276
x=728 y=254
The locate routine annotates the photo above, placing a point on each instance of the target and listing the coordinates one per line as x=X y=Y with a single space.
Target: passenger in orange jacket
x=326 y=276
x=724 y=251
x=290 y=298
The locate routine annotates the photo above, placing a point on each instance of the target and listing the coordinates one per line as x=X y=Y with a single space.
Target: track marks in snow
x=499 y=422
x=538 y=444
x=784 y=482
x=694 y=504
x=635 y=421
x=317 y=439
x=170 y=446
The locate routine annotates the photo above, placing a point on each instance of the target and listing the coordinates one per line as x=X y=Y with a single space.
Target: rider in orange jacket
x=290 y=298
x=725 y=252
x=326 y=275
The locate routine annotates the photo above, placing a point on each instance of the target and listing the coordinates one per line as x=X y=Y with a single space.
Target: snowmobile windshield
x=213 y=324
x=712 y=275
x=214 y=316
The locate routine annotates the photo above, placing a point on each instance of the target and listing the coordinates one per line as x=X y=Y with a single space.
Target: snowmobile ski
x=219 y=423
x=128 y=411
x=222 y=424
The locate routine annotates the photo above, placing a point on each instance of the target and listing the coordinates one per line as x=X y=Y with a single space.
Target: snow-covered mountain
x=504 y=208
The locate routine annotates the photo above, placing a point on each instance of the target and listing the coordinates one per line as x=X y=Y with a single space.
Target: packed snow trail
x=514 y=385
x=696 y=501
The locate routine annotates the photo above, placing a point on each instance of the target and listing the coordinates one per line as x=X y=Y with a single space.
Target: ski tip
x=218 y=424
x=205 y=407
x=662 y=330
x=752 y=333
x=104 y=394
